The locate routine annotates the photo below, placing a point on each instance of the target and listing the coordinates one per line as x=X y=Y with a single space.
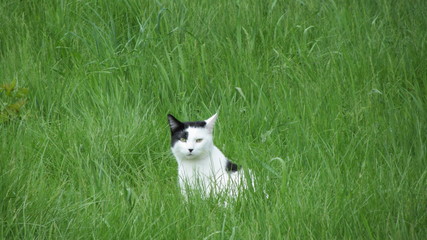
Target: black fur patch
x=231 y=167
x=178 y=128
x=176 y=136
x=200 y=124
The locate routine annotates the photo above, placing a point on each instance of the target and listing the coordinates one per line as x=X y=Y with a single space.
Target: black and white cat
x=201 y=165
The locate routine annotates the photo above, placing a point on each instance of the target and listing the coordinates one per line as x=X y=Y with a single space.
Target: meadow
x=324 y=100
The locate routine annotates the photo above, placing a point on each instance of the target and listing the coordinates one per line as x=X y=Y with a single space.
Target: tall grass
x=324 y=100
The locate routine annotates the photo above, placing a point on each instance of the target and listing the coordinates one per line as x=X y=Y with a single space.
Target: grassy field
x=324 y=100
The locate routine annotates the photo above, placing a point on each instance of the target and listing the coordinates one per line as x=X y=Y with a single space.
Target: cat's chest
x=203 y=171
x=206 y=179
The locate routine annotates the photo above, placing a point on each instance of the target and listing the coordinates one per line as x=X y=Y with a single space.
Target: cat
x=202 y=167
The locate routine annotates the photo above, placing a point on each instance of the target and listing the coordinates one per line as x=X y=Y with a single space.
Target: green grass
x=324 y=100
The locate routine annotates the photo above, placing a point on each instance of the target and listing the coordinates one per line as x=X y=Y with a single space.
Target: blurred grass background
x=324 y=100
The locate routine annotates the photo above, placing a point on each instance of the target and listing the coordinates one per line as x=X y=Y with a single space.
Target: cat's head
x=191 y=140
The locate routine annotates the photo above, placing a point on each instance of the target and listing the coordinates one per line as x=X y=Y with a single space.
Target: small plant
x=12 y=100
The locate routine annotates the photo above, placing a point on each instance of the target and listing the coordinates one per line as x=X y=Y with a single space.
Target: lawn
x=325 y=101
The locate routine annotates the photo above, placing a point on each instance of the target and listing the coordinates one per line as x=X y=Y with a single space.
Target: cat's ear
x=174 y=123
x=210 y=123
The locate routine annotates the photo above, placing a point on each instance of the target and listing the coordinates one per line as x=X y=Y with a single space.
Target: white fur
x=204 y=168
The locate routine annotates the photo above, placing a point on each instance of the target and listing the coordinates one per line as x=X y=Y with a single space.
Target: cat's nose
x=190 y=149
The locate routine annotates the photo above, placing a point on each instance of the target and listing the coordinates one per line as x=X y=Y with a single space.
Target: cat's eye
x=183 y=140
x=199 y=140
